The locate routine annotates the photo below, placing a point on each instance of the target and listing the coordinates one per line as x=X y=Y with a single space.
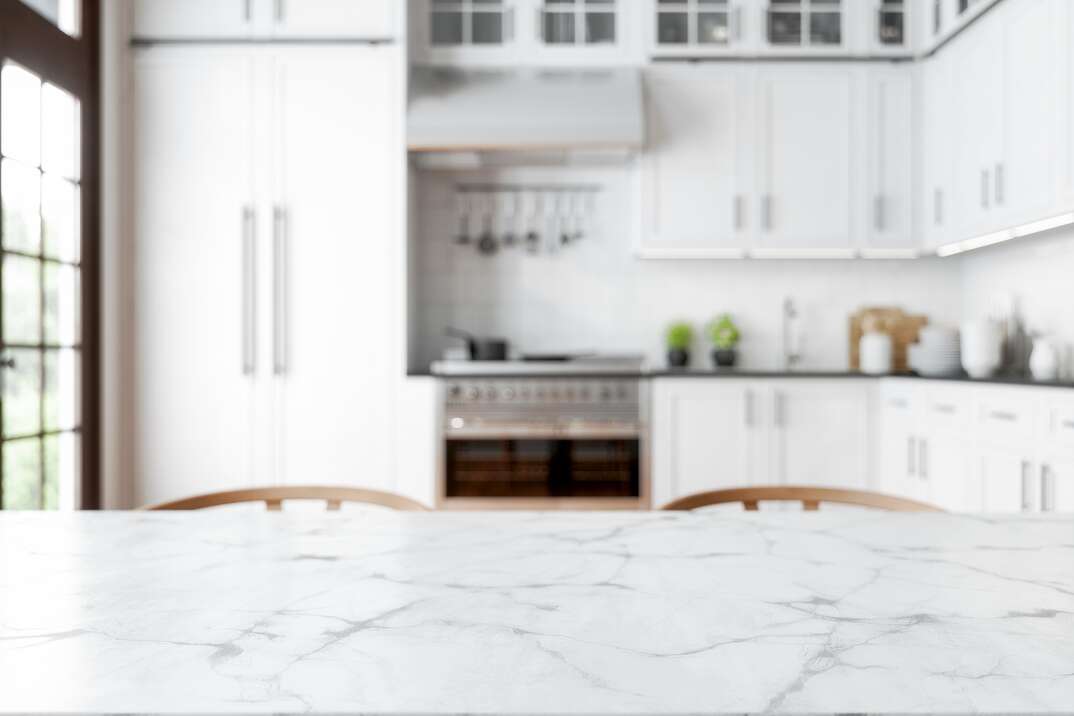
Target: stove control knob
x=583 y=394
x=474 y=393
x=490 y=393
x=508 y=393
x=455 y=392
x=605 y=394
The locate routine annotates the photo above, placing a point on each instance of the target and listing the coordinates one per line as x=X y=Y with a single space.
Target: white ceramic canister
x=875 y=355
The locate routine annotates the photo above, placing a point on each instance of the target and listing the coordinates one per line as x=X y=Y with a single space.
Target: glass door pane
x=40 y=296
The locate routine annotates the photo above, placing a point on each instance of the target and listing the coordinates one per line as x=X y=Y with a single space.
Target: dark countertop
x=766 y=374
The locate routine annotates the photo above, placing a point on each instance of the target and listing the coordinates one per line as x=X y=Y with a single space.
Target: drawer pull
x=1068 y=424
x=1047 y=489
x=1003 y=415
x=897 y=403
x=945 y=408
x=1027 y=498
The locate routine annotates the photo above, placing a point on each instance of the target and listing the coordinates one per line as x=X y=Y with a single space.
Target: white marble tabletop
x=536 y=613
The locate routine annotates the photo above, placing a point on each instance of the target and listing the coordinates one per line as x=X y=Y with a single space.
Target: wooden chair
x=810 y=497
x=273 y=498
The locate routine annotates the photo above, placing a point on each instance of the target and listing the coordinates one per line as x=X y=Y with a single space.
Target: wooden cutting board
x=902 y=327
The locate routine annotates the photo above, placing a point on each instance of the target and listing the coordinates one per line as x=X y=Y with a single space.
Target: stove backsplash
x=596 y=295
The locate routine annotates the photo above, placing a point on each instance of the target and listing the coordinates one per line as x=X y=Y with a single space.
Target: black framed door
x=49 y=88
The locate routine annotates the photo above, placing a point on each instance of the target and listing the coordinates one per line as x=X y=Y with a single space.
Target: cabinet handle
x=249 y=289
x=945 y=408
x=911 y=456
x=984 y=188
x=1047 y=489
x=999 y=190
x=279 y=10
x=923 y=459
x=1003 y=415
x=279 y=302
x=1027 y=498
x=897 y=403
x=766 y=212
x=781 y=409
x=878 y=212
x=749 y=409
x=1068 y=424
x=737 y=210
x=738 y=23
x=246 y=10
x=937 y=207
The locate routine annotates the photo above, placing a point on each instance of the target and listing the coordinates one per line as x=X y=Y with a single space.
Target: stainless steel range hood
x=567 y=112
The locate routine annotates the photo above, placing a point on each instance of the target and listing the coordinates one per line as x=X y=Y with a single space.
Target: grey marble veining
x=536 y=613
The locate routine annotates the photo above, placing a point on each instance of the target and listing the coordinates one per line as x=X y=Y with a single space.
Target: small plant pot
x=678 y=357
x=724 y=358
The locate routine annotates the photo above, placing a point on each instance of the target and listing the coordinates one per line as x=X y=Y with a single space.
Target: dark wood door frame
x=73 y=63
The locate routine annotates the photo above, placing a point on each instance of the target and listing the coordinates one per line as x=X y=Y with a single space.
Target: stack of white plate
x=937 y=352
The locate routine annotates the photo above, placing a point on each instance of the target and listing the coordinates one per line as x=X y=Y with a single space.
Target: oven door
x=550 y=467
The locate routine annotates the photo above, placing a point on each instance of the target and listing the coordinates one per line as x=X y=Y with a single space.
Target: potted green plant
x=724 y=336
x=680 y=336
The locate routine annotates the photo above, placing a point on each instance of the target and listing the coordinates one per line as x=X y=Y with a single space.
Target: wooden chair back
x=810 y=497
x=273 y=497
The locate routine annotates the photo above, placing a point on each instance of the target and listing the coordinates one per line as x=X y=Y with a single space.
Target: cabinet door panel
x=821 y=435
x=890 y=204
x=1004 y=482
x=693 y=180
x=172 y=19
x=1026 y=184
x=978 y=127
x=702 y=438
x=807 y=117
x=945 y=469
x=194 y=404
x=338 y=176
x=372 y=19
x=937 y=139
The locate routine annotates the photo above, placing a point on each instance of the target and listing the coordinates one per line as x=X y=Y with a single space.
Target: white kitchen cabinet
x=890 y=160
x=190 y=19
x=265 y=321
x=366 y=19
x=703 y=28
x=899 y=432
x=1057 y=484
x=264 y=19
x=706 y=435
x=1005 y=481
x=977 y=63
x=697 y=191
x=937 y=138
x=805 y=157
x=1025 y=175
x=335 y=205
x=195 y=384
x=820 y=433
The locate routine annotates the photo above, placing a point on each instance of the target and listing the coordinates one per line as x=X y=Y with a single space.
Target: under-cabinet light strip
x=998 y=237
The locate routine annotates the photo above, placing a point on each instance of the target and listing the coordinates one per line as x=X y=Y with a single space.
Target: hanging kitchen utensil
x=485 y=349
x=533 y=238
x=510 y=220
x=487 y=243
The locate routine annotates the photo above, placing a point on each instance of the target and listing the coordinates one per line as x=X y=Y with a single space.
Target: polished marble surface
x=536 y=613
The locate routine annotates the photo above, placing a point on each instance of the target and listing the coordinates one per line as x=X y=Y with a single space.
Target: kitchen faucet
x=792 y=353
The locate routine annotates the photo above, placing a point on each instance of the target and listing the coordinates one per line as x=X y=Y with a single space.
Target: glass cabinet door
x=891 y=23
x=805 y=23
x=699 y=23
x=459 y=23
x=578 y=22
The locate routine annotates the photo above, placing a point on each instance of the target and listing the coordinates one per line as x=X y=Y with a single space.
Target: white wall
x=1038 y=271
x=597 y=295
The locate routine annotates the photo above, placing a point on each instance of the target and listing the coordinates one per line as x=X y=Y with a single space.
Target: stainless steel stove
x=543 y=434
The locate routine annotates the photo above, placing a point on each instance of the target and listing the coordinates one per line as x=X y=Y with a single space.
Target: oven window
x=542 y=468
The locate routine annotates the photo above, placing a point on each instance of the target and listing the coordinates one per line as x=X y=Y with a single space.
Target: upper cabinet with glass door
x=702 y=28
x=941 y=19
x=520 y=32
x=778 y=28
